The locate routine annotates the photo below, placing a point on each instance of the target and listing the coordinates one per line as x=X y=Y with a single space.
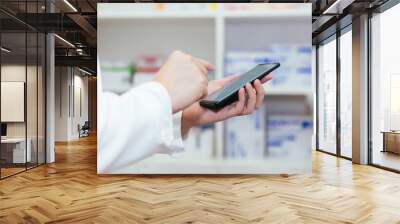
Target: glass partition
x=23 y=91
x=41 y=107
x=13 y=109
x=41 y=89
x=31 y=99
x=32 y=87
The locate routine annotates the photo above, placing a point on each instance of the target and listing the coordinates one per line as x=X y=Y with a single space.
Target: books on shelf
x=245 y=136
x=121 y=76
x=200 y=142
x=203 y=8
x=258 y=136
x=293 y=74
x=287 y=135
x=257 y=7
x=117 y=77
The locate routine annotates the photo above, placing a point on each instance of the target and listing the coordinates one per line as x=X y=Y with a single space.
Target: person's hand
x=185 y=78
x=197 y=115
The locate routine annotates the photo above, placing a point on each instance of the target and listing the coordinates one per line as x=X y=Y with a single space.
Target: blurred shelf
x=265 y=15
x=143 y=11
x=287 y=92
x=150 y=11
x=222 y=26
x=125 y=14
x=160 y=164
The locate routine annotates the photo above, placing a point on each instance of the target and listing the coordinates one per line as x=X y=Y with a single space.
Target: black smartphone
x=229 y=93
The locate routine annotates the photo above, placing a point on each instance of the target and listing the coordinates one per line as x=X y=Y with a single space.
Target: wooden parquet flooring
x=70 y=191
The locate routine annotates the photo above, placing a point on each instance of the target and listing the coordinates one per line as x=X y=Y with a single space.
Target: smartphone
x=229 y=93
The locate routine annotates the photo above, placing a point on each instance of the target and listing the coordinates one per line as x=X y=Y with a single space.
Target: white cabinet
x=17 y=148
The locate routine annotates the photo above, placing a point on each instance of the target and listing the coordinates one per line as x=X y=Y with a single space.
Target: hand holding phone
x=229 y=93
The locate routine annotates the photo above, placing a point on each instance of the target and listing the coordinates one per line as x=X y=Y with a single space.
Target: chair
x=84 y=130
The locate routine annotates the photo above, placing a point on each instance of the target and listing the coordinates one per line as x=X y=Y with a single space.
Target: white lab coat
x=134 y=126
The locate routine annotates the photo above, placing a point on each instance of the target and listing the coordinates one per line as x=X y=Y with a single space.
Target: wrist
x=173 y=106
x=187 y=122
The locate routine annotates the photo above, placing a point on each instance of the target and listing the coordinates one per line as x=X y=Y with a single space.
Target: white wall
x=61 y=89
x=79 y=117
x=12 y=73
x=70 y=83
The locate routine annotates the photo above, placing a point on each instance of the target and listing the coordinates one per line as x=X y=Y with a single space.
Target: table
x=391 y=141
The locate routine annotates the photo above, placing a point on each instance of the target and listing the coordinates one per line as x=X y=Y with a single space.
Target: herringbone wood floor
x=70 y=191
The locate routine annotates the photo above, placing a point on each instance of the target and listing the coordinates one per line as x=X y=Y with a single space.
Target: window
x=327 y=96
x=346 y=94
x=385 y=89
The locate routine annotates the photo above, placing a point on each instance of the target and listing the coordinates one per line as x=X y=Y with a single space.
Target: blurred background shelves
x=157 y=11
x=280 y=14
x=235 y=39
x=287 y=92
x=210 y=10
x=158 y=165
x=159 y=15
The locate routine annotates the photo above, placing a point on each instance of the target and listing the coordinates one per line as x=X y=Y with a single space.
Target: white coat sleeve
x=136 y=125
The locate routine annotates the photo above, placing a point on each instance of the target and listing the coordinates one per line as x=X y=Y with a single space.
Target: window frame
x=334 y=37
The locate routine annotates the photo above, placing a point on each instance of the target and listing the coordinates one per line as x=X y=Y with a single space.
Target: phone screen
x=257 y=72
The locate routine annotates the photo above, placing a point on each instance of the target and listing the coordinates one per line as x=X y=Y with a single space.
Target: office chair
x=84 y=130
